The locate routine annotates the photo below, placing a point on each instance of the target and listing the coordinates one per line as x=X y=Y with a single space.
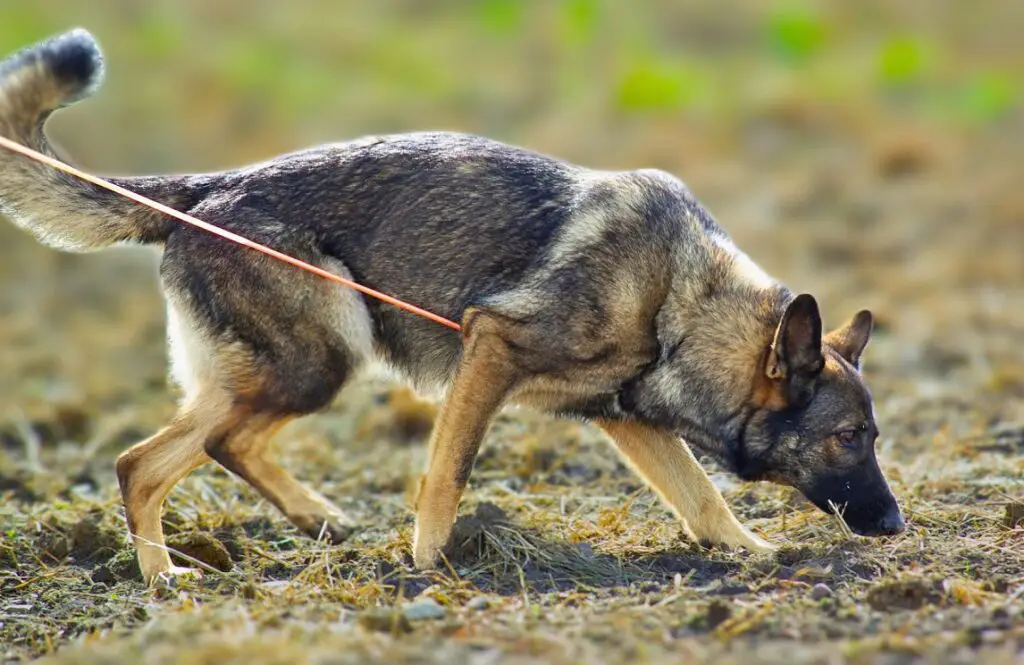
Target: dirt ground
x=562 y=555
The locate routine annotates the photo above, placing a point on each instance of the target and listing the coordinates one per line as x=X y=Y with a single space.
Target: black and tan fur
x=608 y=296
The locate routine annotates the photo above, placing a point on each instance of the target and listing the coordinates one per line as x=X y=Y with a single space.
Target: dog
x=612 y=297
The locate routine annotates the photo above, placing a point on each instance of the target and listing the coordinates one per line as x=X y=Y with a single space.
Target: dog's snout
x=891 y=523
x=886 y=521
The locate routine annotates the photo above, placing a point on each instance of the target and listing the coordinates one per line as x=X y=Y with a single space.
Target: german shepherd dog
x=612 y=297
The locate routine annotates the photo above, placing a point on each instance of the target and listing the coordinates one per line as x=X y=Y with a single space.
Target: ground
x=912 y=209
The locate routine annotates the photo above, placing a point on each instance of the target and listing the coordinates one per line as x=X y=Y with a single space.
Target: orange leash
x=227 y=235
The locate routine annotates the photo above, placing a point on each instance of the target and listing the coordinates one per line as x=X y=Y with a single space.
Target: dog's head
x=811 y=422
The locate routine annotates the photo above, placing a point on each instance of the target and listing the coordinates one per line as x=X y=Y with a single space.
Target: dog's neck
x=710 y=359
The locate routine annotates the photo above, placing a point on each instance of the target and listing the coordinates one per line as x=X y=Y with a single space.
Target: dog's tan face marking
x=819 y=437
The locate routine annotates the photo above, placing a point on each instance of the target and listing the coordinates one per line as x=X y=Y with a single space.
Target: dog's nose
x=891 y=523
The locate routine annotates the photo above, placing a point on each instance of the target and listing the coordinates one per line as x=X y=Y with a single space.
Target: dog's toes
x=427 y=549
x=424 y=559
x=338 y=533
x=174 y=577
x=334 y=530
x=717 y=545
x=760 y=546
x=743 y=540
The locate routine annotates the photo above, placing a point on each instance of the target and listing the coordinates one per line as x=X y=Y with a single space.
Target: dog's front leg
x=669 y=467
x=485 y=376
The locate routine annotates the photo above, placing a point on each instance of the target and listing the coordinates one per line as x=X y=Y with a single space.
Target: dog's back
x=447 y=221
x=444 y=220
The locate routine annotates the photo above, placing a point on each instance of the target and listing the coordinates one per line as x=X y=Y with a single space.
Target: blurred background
x=868 y=152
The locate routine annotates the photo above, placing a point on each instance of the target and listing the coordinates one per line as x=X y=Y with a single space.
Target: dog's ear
x=795 y=358
x=849 y=341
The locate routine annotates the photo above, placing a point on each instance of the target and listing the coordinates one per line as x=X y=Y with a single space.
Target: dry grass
x=575 y=562
x=562 y=555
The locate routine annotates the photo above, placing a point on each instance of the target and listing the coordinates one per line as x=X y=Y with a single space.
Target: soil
x=863 y=205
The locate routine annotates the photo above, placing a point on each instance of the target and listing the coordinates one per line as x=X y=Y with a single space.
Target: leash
x=223 y=233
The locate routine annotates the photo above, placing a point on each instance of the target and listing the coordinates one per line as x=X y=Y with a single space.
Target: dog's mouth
x=890 y=523
x=873 y=520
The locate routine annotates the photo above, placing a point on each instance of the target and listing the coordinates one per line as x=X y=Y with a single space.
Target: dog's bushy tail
x=59 y=209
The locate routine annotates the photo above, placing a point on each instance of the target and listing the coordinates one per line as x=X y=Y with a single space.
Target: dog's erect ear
x=850 y=340
x=795 y=358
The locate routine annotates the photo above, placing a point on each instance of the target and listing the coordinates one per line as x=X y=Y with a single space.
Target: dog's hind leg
x=280 y=342
x=670 y=468
x=149 y=470
x=244 y=452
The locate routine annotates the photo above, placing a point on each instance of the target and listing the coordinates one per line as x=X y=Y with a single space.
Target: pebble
x=819 y=591
x=478 y=604
x=423 y=610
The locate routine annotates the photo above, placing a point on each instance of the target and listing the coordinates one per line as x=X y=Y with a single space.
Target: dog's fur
x=613 y=297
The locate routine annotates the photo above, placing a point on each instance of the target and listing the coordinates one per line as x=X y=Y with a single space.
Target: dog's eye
x=848 y=438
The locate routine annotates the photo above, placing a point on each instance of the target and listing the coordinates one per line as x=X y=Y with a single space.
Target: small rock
x=423 y=610
x=478 y=604
x=276 y=586
x=820 y=591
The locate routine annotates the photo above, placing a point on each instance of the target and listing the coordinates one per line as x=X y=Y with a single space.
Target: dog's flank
x=613 y=297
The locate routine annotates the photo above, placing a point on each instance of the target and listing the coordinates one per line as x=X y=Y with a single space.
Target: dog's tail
x=58 y=209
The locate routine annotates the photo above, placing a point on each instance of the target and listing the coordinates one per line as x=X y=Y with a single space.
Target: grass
x=858 y=153
x=566 y=573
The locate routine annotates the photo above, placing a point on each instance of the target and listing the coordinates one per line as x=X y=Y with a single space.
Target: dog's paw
x=174 y=577
x=423 y=559
x=334 y=532
x=334 y=527
x=427 y=548
x=739 y=539
x=758 y=545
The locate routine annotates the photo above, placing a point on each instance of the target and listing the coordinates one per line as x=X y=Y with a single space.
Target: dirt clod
x=384 y=620
x=718 y=613
x=233 y=540
x=906 y=594
x=468 y=532
x=904 y=156
x=201 y=546
x=67 y=423
x=123 y=566
x=91 y=540
x=53 y=546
